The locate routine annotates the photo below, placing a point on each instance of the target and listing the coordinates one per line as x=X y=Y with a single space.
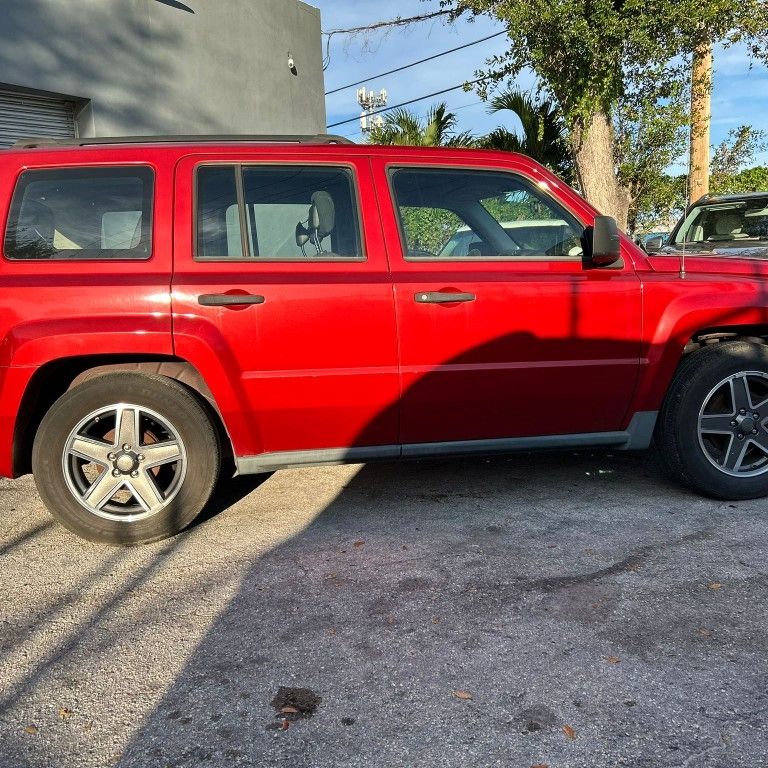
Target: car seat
x=321 y=220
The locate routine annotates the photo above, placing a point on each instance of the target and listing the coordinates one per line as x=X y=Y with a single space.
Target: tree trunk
x=701 y=115
x=592 y=144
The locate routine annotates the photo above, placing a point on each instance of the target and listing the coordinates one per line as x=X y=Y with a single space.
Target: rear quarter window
x=81 y=213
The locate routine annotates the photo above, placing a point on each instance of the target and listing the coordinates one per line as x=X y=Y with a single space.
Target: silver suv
x=725 y=225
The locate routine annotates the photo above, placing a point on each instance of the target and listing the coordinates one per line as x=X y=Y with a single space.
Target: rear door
x=281 y=295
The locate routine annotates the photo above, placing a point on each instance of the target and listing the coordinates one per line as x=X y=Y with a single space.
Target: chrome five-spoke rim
x=124 y=462
x=732 y=425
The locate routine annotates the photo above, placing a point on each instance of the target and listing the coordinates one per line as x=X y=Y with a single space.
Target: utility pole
x=371 y=101
x=701 y=113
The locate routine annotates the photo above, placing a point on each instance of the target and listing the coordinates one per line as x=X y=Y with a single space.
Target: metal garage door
x=26 y=115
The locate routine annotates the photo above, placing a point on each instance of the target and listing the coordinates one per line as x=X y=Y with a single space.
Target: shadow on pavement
x=548 y=590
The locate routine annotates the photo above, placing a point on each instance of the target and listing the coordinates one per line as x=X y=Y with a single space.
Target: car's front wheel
x=713 y=429
x=126 y=458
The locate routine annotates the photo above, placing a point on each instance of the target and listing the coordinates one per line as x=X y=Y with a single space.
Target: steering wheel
x=565 y=246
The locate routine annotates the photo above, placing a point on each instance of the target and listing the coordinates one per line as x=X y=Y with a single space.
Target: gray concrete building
x=141 y=67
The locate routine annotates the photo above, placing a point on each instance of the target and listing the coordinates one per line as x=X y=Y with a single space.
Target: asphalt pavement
x=562 y=610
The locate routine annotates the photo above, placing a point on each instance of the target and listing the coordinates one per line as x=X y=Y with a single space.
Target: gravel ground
x=561 y=610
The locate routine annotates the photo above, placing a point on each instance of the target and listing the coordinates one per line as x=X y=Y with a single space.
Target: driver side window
x=460 y=214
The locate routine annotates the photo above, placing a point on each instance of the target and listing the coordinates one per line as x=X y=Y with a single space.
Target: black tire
x=190 y=477
x=677 y=433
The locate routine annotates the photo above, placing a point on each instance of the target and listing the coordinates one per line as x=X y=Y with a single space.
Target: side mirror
x=653 y=244
x=606 y=242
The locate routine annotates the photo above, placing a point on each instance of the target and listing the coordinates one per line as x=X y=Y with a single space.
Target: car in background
x=732 y=226
x=642 y=239
x=526 y=236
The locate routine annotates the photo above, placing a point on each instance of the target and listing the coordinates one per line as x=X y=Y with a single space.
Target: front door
x=503 y=330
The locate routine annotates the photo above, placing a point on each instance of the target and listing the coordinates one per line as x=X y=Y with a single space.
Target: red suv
x=174 y=306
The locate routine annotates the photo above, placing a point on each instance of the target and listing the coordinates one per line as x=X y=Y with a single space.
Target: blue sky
x=740 y=95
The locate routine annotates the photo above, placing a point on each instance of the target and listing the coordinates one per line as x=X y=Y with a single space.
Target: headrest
x=302 y=235
x=728 y=224
x=322 y=214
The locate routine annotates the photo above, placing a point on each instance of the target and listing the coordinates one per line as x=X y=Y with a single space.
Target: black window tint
x=81 y=213
x=296 y=212
x=218 y=217
x=476 y=214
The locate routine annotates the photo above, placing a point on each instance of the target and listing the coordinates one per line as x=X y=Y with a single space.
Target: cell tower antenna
x=370 y=102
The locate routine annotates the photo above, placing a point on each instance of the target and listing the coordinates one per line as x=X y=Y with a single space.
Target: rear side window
x=81 y=213
x=276 y=213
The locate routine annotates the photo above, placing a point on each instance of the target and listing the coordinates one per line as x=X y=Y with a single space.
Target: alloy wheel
x=732 y=425
x=124 y=462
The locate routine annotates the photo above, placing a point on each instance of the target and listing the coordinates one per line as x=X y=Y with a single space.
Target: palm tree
x=403 y=127
x=543 y=132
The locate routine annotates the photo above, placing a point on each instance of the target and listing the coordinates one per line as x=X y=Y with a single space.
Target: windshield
x=736 y=223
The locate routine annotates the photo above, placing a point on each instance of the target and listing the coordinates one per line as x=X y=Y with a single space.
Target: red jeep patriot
x=170 y=306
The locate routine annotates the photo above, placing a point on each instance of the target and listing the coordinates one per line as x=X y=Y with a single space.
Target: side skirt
x=637 y=436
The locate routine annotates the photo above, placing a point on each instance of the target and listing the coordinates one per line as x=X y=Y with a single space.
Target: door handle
x=228 y=299
x=441 y=297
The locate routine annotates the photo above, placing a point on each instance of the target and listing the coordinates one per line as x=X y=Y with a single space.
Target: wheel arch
x=53 y=379
x=678 y=326
x=756 y=333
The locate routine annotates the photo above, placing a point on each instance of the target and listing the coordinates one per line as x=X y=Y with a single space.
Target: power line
x=398 y=21
x=465 y=106
x=410 y=101
x=425 y=115
x=415 y=63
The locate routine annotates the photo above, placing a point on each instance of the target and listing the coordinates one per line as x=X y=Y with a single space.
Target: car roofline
x=731 y=197
x=48 y=143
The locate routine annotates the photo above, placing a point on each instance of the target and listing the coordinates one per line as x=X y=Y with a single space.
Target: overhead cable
x=416 y=63
x=410 y=101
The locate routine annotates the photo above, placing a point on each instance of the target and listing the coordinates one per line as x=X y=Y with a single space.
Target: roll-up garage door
x=26 y=115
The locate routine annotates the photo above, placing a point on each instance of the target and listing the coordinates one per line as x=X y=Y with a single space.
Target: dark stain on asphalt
x=295 y=703
x=555 y=583
x=536 y=718
x=413 y=584
x=632 y=562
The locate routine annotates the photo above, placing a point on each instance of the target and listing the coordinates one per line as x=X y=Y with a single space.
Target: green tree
x=749 y=180
x=732 y=155
x=651 y=134
x=426 y=229
x=661 y=204
x=661 y=199
x=594 y=56
x=438 y=129
x=542 y=135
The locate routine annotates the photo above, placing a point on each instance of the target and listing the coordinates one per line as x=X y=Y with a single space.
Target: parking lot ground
x=562 y=610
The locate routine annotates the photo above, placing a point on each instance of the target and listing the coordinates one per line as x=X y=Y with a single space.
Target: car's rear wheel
x=713 y=430
x=126 y=458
